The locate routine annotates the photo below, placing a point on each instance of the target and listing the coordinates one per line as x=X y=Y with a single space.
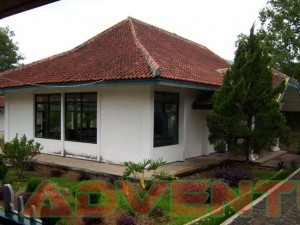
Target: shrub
x=84 y=176
x=3 y=169
x=33 y=184
x=125 y=220
x=220 y=147
x=19 y=152
x=31 y=167
x=293 y=164
x=2 y=193
x=94 y=198
x=26 y=197
x=92 y=220
x=232 y=176
x=157 y=212
x=56 y=173
x=280 y=165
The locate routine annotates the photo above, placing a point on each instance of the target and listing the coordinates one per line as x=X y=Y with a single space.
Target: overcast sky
x=63 y=25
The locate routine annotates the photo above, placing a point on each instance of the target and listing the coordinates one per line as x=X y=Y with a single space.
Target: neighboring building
x=2 y=104
x=132 y=92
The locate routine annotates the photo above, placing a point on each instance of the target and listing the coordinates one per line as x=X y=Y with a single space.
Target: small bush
x=92 y=220
x=157 y=212
x=3 y=169
x=31 y=167
x=220 y=147
x=26 y=197
x=33 y=184
x=293 y=164
x=281 y=165
x=94 y=198
x=56 y=173
x=19 y=152
x=2 y=193
x=63 y=222
x=232 y=176
x=84 y=176
x=125 y=220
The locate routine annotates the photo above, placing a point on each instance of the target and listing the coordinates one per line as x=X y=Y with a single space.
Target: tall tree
x=9 y=51
x=281 y=27
x=246 y=114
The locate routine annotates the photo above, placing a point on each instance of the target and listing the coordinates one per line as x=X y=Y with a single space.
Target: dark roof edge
x=135 y=82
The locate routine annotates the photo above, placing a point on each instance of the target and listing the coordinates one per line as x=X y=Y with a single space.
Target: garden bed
x=66 y=180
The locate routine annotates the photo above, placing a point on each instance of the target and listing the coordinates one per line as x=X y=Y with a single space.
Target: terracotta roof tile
x=129 y=50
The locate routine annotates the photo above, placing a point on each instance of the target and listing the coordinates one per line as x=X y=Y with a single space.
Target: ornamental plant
x=138 y=169
x=19 y=152
x=3 y=169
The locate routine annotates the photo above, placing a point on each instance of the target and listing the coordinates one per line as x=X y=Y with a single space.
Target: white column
x=6 y=120
x=98 y=125
x=62 y=124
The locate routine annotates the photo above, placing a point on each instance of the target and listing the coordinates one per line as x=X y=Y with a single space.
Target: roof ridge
x=175 y=36
x=169 y=33
x=156 y=70
x=63 y=53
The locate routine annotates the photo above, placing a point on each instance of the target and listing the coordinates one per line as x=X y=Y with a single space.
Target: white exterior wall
x=19 y=113
x=193 y=132
x=125 y=122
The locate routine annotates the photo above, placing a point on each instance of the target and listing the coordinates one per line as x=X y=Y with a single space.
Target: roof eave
x=134 y=82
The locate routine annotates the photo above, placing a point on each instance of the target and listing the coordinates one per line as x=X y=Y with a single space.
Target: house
x=134 y=91
x=2 y=103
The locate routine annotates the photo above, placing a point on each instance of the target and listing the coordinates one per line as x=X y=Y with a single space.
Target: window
x=165 y=118
x=81 y=117
x=47 y=116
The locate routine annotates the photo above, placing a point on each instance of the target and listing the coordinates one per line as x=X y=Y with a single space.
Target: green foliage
x=281 y=31
x=33 y=184
x=246 y=115
x=138 y=169
x=3 y=169
x=9 y=57
x=19 y=152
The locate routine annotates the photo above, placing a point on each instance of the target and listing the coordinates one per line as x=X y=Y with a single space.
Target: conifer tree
x=246 y=115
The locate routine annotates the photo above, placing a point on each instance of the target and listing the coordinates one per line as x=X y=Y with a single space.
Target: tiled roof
x=278 y=77
x=2 y=101
x=130 y=49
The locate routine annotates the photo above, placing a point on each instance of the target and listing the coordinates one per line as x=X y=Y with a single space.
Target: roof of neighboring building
x=130 y=49
x=11 y=7
x=2 y=101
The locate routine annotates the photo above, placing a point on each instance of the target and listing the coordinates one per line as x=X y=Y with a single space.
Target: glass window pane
x=89 y=97
x=171 y=98
x=41 y=107
x=70 y=107
x=54 y=125
x=55 y=107
x=89 y=107
x=55 y=98
x=73 y=97
x=158 y=97
x=41 y=98
x=93 y=120
x=165 y=119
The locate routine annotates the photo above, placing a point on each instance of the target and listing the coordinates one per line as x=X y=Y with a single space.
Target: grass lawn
x=67 y=186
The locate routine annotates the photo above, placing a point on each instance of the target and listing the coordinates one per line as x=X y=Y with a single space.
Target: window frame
x=81 y=115
x=48 y=102
x=166 y=142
